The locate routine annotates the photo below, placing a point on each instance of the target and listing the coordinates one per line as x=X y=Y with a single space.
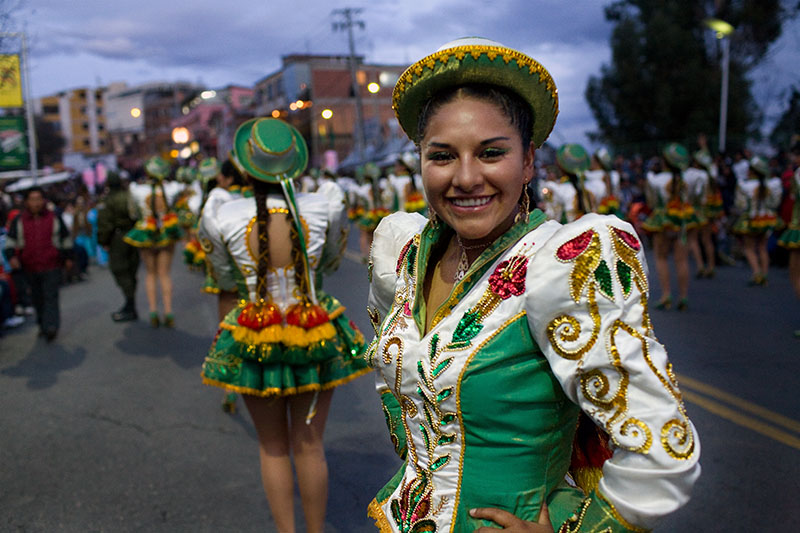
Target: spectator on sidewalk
x=115 y=217
x=39 y=244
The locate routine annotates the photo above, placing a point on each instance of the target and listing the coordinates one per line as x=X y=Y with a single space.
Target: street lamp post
x=723 y=31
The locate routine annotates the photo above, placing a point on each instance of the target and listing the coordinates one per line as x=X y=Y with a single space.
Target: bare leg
x=163 y=265
x=707 y=240
x=749 y=251
x=794 y=270
x=269 y=417
x=365 y=242
x=693 y=240
x=309 y=457
x=149 y=259
x=661 y=249
x=681 y=256
x=763 y=254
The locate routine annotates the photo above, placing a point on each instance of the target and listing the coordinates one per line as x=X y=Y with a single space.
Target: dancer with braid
x=155 y=234
x=283 y=343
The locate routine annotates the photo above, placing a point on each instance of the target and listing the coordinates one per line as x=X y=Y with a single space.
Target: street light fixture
x=723 y=31
x=326 y=114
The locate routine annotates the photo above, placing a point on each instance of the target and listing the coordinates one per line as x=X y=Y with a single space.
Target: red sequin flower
x=508 y=279
x=575 y=247
x=258 y=317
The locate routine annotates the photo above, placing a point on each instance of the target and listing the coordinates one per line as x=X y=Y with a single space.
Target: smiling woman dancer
x=495 y=328
x=287 y=344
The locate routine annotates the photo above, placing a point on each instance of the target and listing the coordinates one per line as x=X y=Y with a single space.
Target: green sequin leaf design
x=602 y=274
x=441 y=367
x=434 y=345
x=447 y=438
x=467 y=329
x=447 y=418
x=624 y=272
x=439 y=463
x=444 y=394
x=411 y=259
x=424 y=526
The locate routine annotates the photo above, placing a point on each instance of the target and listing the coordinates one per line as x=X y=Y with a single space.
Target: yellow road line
x=742 y=420
x=698 y=386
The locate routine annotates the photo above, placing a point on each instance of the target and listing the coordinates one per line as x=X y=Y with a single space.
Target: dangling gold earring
x=433 y=218
x=524 y=205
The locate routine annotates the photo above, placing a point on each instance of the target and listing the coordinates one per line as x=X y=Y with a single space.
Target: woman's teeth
x=471 y=202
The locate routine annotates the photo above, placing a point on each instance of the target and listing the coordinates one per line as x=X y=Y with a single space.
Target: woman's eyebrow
x=494 y=139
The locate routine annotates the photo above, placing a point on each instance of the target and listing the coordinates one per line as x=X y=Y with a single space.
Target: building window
x=50 y=109
x=85 y=126
x=86 y=142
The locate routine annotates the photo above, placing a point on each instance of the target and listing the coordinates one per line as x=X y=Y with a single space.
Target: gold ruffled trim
x=375 y=512
x=211 y=290
x=291 y=391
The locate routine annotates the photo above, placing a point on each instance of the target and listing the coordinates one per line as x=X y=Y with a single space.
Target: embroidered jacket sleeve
x=587 y=307
x=391 y=241
x=217 y=259
x=336 y=239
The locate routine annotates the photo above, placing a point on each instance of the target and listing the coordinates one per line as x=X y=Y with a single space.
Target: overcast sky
x=80 y=43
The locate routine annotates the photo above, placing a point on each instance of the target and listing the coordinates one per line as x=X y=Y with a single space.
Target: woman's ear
x=527 y=162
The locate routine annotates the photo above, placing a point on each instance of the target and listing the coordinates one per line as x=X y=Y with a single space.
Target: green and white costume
x=550 y=320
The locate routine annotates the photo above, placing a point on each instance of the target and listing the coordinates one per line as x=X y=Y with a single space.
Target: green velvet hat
x=676 y=155
x=477 y=60
x=372 y=171
x=759 y=165
x=156 y=167
x=573 y=159
x=208 y=169
x=186 y=174
x=269 y=149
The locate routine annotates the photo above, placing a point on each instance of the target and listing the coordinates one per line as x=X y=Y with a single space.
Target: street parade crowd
x=259 y=230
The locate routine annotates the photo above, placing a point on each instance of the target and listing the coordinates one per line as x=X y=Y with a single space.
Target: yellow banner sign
x=10 y=81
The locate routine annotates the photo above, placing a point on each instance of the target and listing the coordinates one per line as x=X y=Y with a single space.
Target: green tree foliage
x=788 y=127
x=663 y=82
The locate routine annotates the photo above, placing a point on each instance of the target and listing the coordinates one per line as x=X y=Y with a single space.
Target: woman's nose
x=468 y=175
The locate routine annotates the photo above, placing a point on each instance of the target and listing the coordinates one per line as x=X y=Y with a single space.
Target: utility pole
x=348 y=22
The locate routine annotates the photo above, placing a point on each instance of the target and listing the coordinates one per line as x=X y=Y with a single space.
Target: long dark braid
x=260 y=191
x=761 y=193
x=573 y=179
x=300 y=277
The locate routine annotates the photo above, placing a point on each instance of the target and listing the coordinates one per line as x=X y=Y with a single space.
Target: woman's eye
x=491 y=153
x=438 y=156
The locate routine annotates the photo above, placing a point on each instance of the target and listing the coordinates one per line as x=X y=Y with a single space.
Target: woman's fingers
x=498 y=516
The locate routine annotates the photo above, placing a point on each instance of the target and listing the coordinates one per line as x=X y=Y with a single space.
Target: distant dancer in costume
x=283 y=343
x=569 y=198
x=790 y=238
x=155 y=235
x=757 y=199
x=601 y=171
x=671 y=218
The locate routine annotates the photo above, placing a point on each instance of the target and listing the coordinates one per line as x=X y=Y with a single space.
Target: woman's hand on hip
x=509 y=522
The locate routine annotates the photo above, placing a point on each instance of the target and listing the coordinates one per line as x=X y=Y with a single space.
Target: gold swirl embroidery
x=585 y=265
x=638 y=430
x=677 y=438
x=567 y=329
x=387 y=356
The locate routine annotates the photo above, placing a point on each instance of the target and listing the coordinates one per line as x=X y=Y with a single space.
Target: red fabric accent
x=306 y=316
x=39 y=254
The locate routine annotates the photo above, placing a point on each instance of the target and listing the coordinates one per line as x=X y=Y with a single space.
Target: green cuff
x=597 y=515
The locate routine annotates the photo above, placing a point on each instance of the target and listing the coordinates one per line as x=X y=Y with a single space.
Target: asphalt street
x=110 y=428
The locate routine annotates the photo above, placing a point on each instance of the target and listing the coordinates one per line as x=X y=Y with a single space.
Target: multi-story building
x=79 y=116
x=315 y=93
x=139 y=119
x=211 y=118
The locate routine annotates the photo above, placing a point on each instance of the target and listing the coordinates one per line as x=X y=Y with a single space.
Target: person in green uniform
x=115 y=217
